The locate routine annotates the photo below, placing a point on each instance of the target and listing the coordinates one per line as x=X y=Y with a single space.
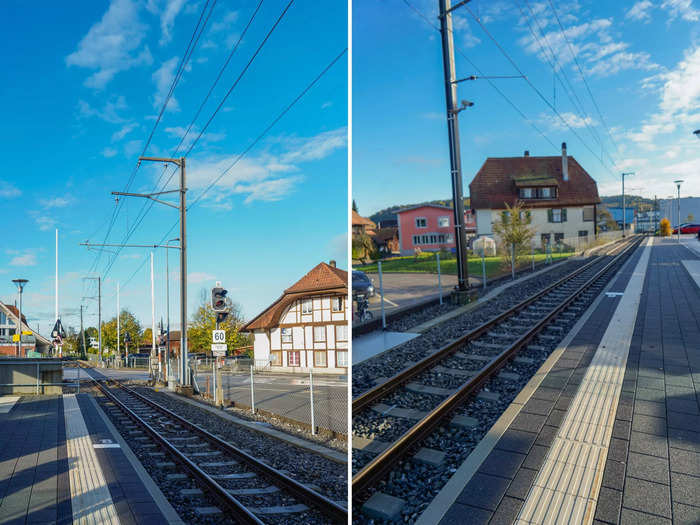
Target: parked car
x=362 y=284
x=688 y=227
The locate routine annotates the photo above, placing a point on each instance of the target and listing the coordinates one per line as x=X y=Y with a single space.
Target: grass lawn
x=427 y=263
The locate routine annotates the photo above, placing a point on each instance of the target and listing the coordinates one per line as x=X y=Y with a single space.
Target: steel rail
x=372 y=395
x=385 y=461
x=303 y=493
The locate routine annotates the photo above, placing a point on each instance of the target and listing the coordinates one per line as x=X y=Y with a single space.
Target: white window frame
x=304 y=304
x=526 y=193
x=295 y=353
x=344 y=362
x=341 y=337
x=339 y=301
x=319 y=330
x=549 y=193
x=424 y=221
x=442 y=219
x=284 y=335
x=556 y=214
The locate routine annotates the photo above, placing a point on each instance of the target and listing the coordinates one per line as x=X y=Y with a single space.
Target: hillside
x=631 y=201
x=390 y=212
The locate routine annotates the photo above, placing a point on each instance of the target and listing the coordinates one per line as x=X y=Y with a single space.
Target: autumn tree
x=665 y=227
x=513 y=228
x=204 y=321
x=127 y=324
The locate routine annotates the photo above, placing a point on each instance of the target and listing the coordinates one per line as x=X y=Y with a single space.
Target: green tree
x=204 y=321
x=513 y=228
x=690 y=218
x=606 y=218
x=354 y=206
x=127 y=324
x=146 y=337
x=362 y=247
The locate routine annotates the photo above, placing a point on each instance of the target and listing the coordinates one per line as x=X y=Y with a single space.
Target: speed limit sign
x=218 y=336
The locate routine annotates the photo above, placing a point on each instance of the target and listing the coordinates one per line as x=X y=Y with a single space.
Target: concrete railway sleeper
x=245 y=488
x=501 y=340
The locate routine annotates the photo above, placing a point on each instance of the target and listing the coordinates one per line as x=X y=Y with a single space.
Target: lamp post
x=20 y=288
x=678 y=185
x=624 y=218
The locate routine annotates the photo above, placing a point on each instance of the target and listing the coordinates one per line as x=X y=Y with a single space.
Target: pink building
x=430 y=228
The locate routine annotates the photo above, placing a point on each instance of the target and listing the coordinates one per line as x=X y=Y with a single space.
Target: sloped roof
x=387 y=233
x=359 y=220
x=14 y=312
x=418 y=206
x=496 y=182
x=322 y=279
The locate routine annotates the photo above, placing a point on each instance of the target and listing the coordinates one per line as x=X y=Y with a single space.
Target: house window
x=294 y=358
x=276 y=358
x=306 y=306
x=557 y=215
x=546 y=193
x=416 y=240
x=421 y=222
x=583 y=233
x=341 y=332
x=526 y=193
x=558 y=237
x=588 y=213
x=286 y=335
x=444 y=221
x=319 y=334
x=337 y=304
x=545 y=237
x=320 y=358
x=341 y=358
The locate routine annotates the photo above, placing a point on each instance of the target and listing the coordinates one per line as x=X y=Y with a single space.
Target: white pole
x=118 y=325
x=252 y=391
x=437 y=255
x=311 y=396
x=381 y=293
x=153 y=312
x=483 y=264
x=56 y=295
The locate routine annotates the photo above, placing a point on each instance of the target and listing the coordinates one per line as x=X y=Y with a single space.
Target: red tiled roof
x=495 y=184
x=322 y=279
x=15 y=312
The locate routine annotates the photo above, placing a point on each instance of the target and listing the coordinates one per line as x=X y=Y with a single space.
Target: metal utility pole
x=153 y=316
x=99 y=316
x=624 y=218
x=182 y=207
x=167 y=302
x=82 y=331
x=678 y=185
x=448 y=61
x=118 y=323
x=20 y=288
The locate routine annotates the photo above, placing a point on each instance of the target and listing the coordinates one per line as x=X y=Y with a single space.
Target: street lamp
x=20 y=288
x=624 y=221
x=678 y=185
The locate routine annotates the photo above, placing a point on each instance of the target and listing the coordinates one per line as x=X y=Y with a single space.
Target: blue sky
x=641 y=61
x=82 y=88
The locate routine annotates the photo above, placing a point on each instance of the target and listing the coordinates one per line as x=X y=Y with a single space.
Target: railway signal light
x=218 y=299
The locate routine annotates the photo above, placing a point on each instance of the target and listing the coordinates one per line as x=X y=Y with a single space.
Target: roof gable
x=497 y=181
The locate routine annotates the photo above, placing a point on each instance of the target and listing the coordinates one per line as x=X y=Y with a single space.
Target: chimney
x=332 y=263
x=564 y=162
x=527 y=153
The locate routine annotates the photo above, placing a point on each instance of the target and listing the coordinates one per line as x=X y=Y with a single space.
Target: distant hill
x=390 y=212
x=631 y=201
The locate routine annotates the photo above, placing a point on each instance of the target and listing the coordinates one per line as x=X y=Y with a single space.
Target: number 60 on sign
x=218 y=336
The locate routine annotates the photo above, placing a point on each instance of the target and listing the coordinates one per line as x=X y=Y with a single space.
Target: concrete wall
x=24 y=372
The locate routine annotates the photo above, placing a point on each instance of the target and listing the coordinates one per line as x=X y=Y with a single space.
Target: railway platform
x=62 y=461
x=608 y=430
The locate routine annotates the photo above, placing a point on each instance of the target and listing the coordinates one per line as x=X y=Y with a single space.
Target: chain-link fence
x=317 y=401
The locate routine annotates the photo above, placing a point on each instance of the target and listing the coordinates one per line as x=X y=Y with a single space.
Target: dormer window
x=527 y=193
x=545 y=192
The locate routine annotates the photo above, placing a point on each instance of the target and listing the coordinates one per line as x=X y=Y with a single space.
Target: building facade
x=429 y=227
x=33 y=342
x=307 y=327
x=560 y=196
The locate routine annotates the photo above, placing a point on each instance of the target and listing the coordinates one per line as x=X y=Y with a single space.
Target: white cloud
x=317 y=147
x=640 y=11
x=109 y=112
x=8 y=190
x=56 y=202
x=26 y=259
x=124 y=131
x=168 y=12
x=682 y=9
x=45 y=223
x=108 y=152
x=163 y=78
x=199 y=277
x=112 y=45
x=571 y=119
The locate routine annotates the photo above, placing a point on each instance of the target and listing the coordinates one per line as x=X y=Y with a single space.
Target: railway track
x=413 y=405
x=245 y=488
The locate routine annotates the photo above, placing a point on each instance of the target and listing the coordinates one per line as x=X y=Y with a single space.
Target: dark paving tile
x=521 y=484
x=650 y=468
x=546 y=436
x=684 y=439
x=609 y=504
x=457 y=513
x=502 y=463
x=649 y=425
x=556 y=417
x=624 y=412
x=650 y=394
x=507 y=511
x=685 y=514
x=621 y=429
x=550 y=394
x=681 y=421
x=633 y=517
x=516 y=441
x=535 y=458
x=685 y=489
x=528 y=422
x=646 y=496
x=614 y=474
x=685 y=462
x=540 y=407
x=618 y=449
x=484 y=491
x=649 y=408
x=685 y=406
x=649 y=444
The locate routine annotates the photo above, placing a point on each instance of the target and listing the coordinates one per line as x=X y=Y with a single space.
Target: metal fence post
x=311 y=396
x=437 y=255
x=512 y=260
x=381 y=293
x=483 y=264
x=37 y=378
x=252 y=390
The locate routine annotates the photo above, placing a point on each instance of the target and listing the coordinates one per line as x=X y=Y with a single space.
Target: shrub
x=665 y=227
